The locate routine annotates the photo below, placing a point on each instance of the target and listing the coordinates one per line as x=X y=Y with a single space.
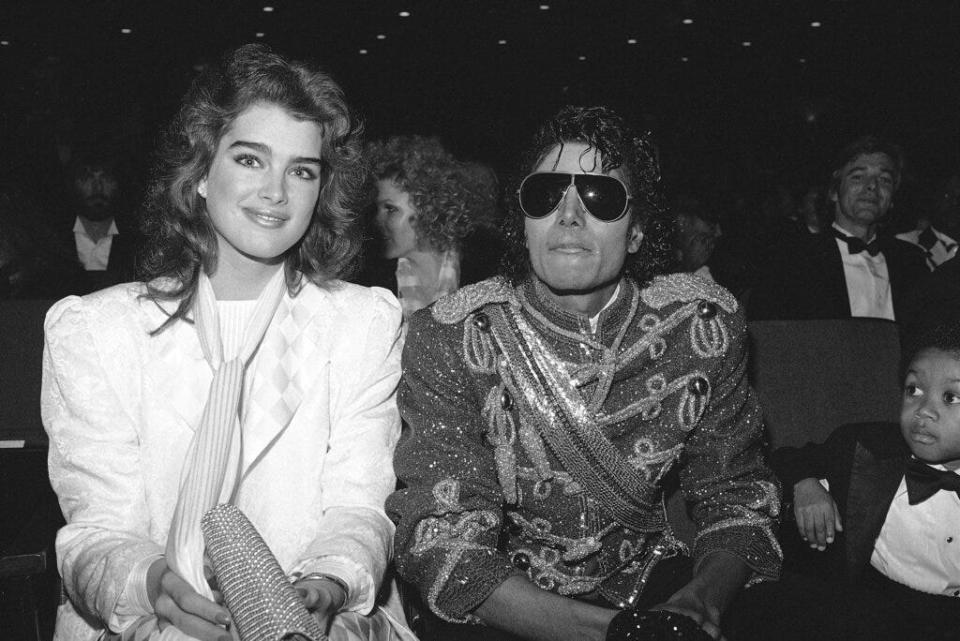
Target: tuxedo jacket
x=807 y=281
x=864 y=464
x=936 y=299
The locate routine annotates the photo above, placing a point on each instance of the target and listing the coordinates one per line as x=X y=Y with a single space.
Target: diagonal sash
x=553 y=404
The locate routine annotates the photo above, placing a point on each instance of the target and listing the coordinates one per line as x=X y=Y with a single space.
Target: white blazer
x=120 y=407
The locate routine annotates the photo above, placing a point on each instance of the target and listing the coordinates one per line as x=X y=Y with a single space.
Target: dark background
x=736 y=117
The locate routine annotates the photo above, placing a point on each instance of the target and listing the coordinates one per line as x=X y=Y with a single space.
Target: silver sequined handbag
x=263 y=603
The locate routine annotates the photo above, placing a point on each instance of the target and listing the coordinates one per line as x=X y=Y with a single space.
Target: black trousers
x=804 y=608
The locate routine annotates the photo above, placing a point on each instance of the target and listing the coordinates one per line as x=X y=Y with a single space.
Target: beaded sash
x=549 y=398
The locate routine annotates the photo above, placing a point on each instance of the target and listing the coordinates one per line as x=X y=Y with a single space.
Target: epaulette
x=458 y=305
x=684 y=288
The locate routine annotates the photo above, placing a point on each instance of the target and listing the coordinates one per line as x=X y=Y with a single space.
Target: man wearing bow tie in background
x=851 y=270
x=936 y=233
x=893 y=508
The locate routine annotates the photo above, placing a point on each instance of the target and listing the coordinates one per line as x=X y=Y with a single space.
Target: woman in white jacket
x=240 y=328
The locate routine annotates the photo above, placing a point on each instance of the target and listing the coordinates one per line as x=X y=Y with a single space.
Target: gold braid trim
x=502 y=434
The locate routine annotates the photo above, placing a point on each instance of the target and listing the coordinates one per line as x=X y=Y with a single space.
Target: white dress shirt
x=868 y=281
x=94 y=254
x=919 y=545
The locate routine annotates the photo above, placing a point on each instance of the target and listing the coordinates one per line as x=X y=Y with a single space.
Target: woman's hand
x=323 y=598
x=178 y=605
x=818 y=518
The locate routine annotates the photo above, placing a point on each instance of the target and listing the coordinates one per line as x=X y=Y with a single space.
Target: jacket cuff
x=755 y=545
x=361 y=593
x=134 y=601
x=455 y=594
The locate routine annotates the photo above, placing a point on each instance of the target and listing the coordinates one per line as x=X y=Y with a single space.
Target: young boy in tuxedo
x=881 y=506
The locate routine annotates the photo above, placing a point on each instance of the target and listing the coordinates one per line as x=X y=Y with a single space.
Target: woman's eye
x=304 y=172
x=950 y=398
x=247 y=160
x=911 y=390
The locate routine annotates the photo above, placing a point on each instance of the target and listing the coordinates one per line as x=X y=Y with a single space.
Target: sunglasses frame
x=573 y=183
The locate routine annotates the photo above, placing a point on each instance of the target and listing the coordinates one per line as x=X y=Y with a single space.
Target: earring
x=202 y=190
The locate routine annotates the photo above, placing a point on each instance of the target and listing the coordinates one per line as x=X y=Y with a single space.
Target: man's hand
x=178 y=605
x=692 y=602
x=818 y=518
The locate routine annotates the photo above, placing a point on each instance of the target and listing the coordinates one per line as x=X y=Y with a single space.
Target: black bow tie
x=855 y=245
x=924 y=481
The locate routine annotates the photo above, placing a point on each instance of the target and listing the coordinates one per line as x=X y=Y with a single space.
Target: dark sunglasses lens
x=541 y=193
x=603 y=196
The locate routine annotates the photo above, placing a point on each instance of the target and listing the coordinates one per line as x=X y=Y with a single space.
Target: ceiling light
x=259 y=34
x=746 y=43
x=501 y=42
x=631 y=41
x=802 y=61
x=381 y=36
x=4 y=43
x=688 y=21
x=684 y=59
x=544 y=7
x=268 y=9
x=581 y=58
x=815 y=24
x=126 y=31
x=404 y=14
x=363 y=52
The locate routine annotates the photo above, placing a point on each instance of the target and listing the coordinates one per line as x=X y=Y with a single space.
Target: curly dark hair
x=452 y=198
x=181 y=239
x=620 y=148
x=939 y=335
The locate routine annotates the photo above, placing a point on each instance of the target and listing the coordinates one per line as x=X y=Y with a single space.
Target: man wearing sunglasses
x=547 y=406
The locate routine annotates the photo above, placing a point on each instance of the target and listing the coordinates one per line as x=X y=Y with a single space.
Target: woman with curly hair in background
x=430 y=208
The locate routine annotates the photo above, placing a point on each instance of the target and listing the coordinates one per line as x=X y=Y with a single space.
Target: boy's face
x=930 y=414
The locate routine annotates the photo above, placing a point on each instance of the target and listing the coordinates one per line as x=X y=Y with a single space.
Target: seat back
x=21 y=351
x=814 y=375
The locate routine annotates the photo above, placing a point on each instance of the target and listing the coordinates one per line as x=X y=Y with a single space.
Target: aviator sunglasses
x=604 y=197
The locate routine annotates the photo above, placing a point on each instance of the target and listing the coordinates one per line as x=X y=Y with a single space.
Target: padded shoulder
x=458 y=305
x=684 y=288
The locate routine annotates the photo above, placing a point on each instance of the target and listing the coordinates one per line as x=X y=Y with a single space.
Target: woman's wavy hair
x=452 y=198
x=180 y=238
x=620 y=148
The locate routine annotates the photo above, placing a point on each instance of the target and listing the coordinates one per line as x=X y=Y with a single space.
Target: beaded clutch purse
x=262 y=601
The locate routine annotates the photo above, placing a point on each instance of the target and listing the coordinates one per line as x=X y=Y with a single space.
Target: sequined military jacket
x=538 y=446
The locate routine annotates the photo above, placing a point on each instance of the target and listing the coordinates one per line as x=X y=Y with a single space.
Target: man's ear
x=634 y=238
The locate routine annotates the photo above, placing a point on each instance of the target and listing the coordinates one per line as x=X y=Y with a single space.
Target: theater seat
x=815 y=375
x=29 y=514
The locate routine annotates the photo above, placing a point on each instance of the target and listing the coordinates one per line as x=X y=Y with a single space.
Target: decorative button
x=706 y=309
x=482 y=322
x=521 y=561
x=949 y=539
x=506 y=401
x=698 y=386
